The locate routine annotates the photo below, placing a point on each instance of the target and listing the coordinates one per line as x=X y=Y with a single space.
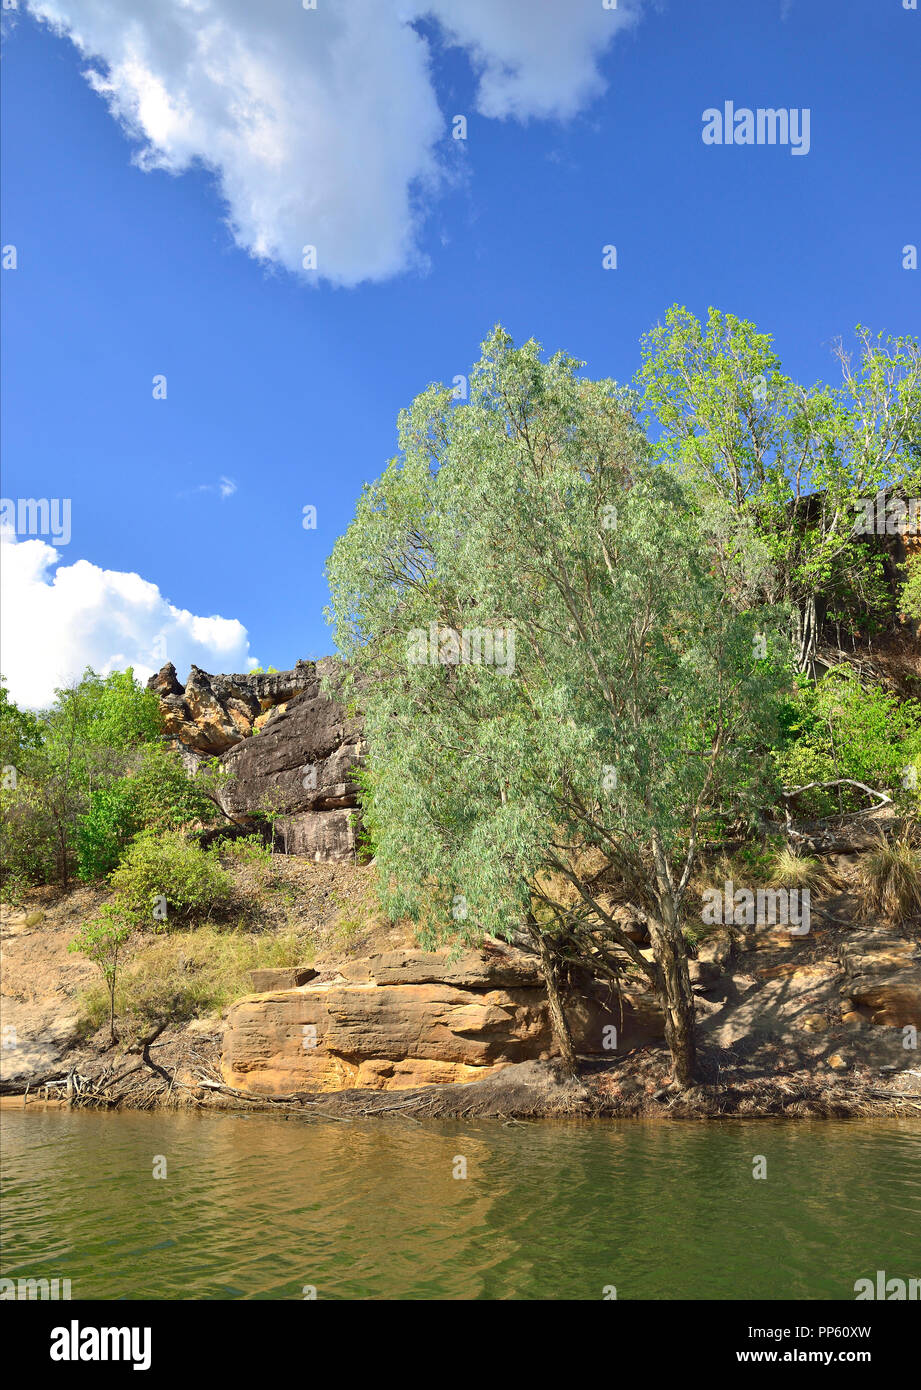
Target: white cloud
x=534 y=59
x=322 y=125
x=57 y=621
x=226 y=487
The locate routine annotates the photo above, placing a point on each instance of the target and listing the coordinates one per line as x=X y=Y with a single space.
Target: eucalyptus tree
x=557 y=698
x=794 y=469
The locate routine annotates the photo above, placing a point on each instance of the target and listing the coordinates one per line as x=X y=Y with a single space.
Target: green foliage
x=165 y=796
x=89 y=773
x=841 y=728
x=102 y=941
x=532 y=511
x=104 y=830
x=28 y=846
x=29 y=842
x=252 y=852
x=81 y=746
x=910 y=598
x=248 y=849
x=20 y=730
x=784 y=464
x=158 y=794
x=365 y=820
x=169 y=866
x=117 y=711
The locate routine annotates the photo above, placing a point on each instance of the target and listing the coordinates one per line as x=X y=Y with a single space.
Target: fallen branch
x=884 y=800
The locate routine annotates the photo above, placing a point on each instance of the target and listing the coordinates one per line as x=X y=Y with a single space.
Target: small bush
x=156 y=794
x=165 y=796
x=789 y=870
x=103 y=832
x=103 y=941
x=169 y=866
x=890 y=881
x=30 y=850
x=910 y=598
x=248 y=849
x=839 y=728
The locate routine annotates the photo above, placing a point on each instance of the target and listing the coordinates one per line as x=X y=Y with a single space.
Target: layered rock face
x=411 y=1018
x=288 y=747
x=882 y=978
x=303 y=762
x=209 y=714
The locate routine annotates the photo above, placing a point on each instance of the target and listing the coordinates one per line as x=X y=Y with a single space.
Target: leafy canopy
x=636 y=700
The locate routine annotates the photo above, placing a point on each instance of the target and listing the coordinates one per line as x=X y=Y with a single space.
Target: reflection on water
x=259 y=1207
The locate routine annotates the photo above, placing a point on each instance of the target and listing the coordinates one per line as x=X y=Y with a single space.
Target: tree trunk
x=674 y=987
x=558 y=1022
x=670 y=952
x=806 y=635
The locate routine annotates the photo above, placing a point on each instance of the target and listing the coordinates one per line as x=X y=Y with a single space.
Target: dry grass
x=789 y=870
x=889 y=880
x=190 y=974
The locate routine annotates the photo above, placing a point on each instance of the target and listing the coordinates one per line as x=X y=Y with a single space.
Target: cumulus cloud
x=322 y=126
x=533 y=59
x=57 y=621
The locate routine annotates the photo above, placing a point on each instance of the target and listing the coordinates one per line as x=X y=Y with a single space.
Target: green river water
x=256 y=1207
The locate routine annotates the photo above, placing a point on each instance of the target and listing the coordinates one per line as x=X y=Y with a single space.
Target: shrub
x=102 y=941
x=840 y=728
x=157 y=794
x=29 y=845
x=248 y=849
x=104 y=830
x=251 y=852
x=890 y=881
x=168 y=866
x=165 y=796
x=910 y=598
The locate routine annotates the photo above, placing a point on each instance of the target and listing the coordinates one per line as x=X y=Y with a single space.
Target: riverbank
x=339 y=1013
x=182 y=1072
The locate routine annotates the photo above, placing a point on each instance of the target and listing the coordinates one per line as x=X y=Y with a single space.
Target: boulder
x=875 y=953
x=302 y=762
x=892 y=1001
x=281 y=978
x=411 y=1018
x=496 y=966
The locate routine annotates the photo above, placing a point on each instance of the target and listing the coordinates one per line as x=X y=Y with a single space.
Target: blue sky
x=289 y=386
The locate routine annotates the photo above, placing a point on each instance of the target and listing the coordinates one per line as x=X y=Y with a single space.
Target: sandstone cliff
x=408 y=1018
x=288 y=747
